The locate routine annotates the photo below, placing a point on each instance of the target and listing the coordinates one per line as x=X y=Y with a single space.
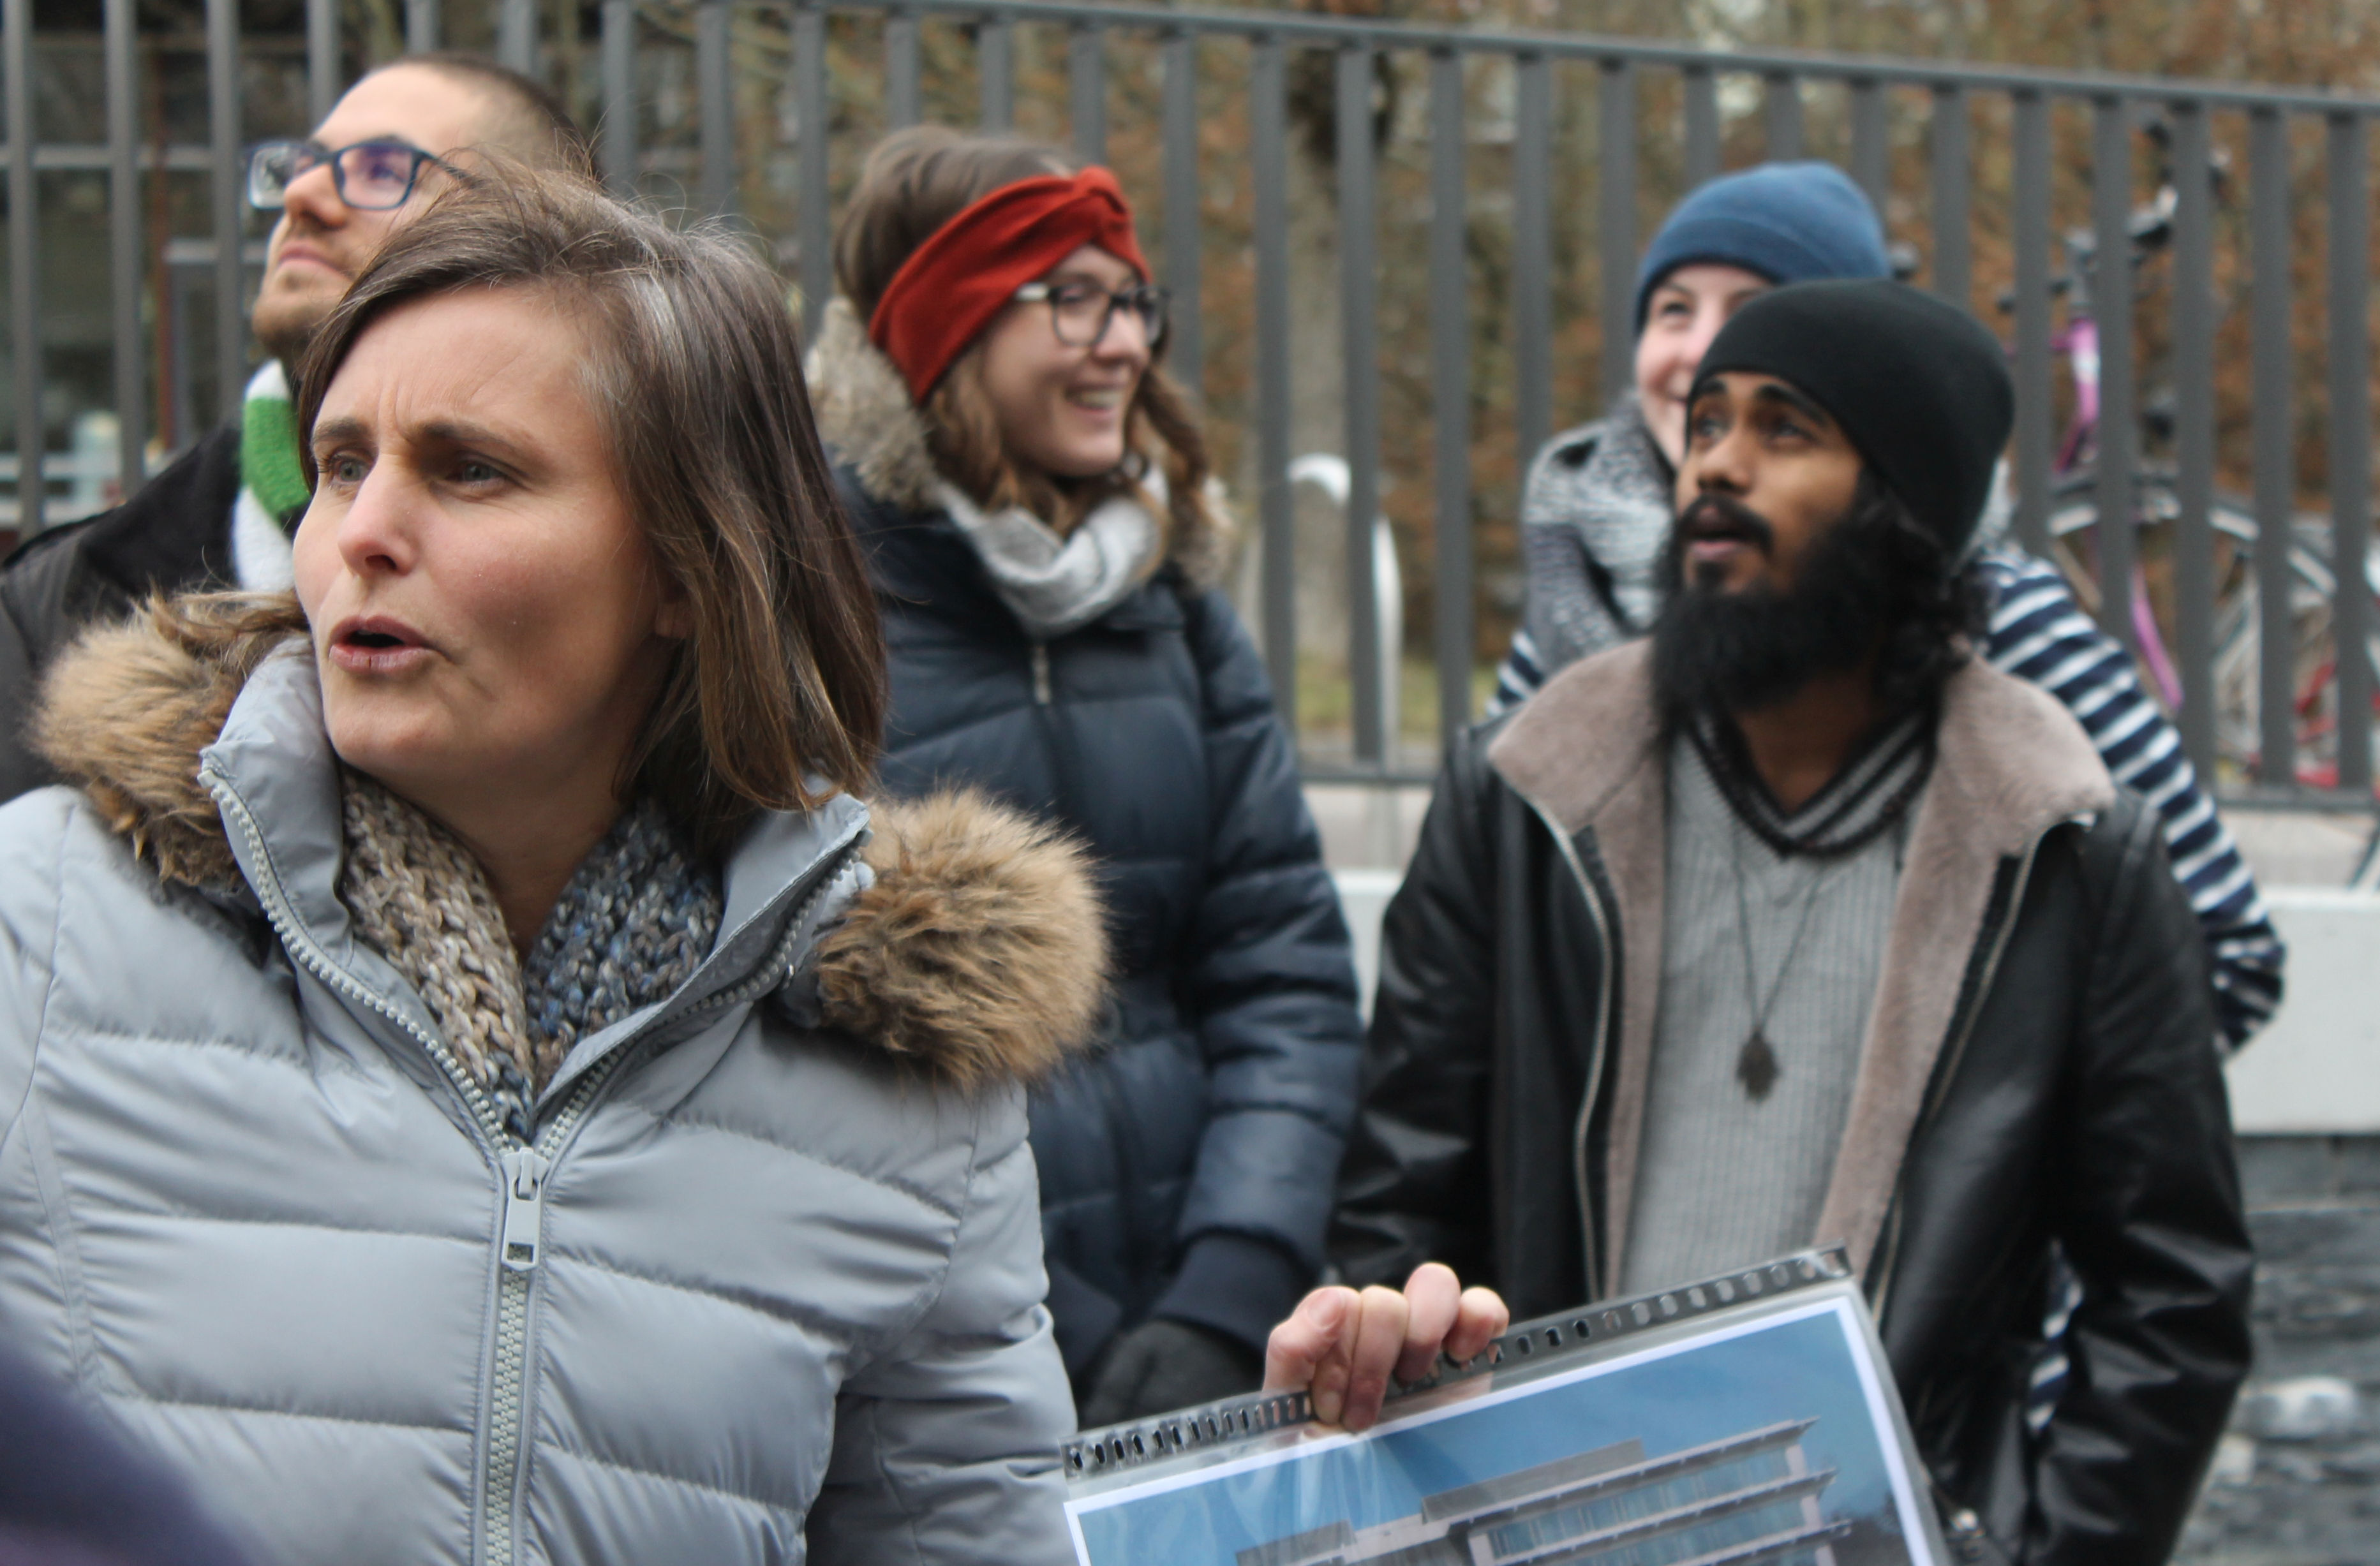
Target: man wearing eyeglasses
x=221 y=516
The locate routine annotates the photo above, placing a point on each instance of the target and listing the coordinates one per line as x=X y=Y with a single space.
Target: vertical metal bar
x=2270 y=435
x=1783 y=96
x=1359 y=346
x=2034 y=410
x=2350 y=443
x=1702 y=125
x=1087 y=92
x=815 y=220
x=2111 y=300
x=125 y=257
x=1269 y=152
x=229 y=203
x=1185 y=348
x=516 y=36
x=24 y=267
x=1871 y=147
x=2193 y=433
x=420 y=26
x=1449 y=392
x=1533 y=254
x=620 y=97
x=1616 y=220
x=901 y=92
x=715 y=79
x=321 y=58
x=1953 y=274
x=995 y=68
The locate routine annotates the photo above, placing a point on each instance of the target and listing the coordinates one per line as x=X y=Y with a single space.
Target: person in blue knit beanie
x=1595 y=511
x=1782 y=223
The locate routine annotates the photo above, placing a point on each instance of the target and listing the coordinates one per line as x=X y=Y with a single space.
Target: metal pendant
x=1757 y=1067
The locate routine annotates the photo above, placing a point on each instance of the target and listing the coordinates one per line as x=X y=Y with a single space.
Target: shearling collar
x=971 y=947
x=865 y=413
x=2010 y=764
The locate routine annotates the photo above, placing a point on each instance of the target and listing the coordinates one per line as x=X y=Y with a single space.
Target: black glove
x=1160 y=1365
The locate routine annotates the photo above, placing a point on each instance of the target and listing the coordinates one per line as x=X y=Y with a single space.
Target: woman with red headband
x=1034 y=498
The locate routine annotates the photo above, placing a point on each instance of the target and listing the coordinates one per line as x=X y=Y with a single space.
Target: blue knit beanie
x=1790 y=222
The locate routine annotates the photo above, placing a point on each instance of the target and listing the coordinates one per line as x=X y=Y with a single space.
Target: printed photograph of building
x=1771 y=1439
x=1752 y=1498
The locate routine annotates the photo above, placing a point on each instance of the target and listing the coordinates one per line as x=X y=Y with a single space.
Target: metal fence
x=1488 y=194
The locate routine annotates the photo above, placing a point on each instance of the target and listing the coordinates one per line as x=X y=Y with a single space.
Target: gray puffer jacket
x=767 y=1286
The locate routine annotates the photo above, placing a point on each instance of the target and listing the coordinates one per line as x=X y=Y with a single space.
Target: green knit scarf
x=268 y=444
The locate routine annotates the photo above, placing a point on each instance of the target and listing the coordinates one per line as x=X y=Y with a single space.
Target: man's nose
x=314 y=195
x=1721 y=468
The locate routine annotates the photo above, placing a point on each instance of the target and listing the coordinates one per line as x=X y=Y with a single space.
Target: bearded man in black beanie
x=1797 y=925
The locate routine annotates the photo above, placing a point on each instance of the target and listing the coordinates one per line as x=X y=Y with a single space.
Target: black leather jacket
x=2040 y=1067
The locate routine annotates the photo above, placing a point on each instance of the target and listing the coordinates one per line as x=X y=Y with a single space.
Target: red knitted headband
x=969 y=269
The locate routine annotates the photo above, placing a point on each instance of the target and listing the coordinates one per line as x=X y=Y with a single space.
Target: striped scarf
x=636 y=919
x=272 y=492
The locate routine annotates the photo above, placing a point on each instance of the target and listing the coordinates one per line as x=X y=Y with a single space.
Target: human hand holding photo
x=1340 y=1346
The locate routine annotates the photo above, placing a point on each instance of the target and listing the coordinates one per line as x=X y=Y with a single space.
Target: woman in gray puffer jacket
x=475 y=1083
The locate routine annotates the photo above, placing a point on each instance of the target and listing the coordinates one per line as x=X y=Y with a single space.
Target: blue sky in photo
x=1793 y=1370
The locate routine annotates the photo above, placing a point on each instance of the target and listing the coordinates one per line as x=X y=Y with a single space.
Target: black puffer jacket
x=1186 y=1168
x=2040 y=1064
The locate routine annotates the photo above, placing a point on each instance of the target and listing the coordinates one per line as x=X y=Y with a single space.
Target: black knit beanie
x=1918 y=386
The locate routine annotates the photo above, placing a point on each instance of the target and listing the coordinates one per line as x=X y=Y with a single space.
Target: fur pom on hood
x=978 y=956
x=865 y=414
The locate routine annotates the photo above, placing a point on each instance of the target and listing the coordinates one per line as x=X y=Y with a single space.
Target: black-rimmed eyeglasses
x=370 y=176
x=1080 y=311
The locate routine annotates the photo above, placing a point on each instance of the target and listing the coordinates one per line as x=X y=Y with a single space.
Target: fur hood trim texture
x=866 y=415
x=977 y=956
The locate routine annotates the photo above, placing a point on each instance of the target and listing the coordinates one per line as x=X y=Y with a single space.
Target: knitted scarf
x=635 y=920
x=271 y=486
x=1614 y=508
x=1057 y=584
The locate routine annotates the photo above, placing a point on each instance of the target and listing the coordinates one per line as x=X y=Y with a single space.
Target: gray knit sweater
x=1725 y=1179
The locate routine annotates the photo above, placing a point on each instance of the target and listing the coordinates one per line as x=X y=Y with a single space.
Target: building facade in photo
x=1749 y=1499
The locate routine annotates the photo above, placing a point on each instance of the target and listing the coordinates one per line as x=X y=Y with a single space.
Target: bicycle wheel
x=2237 y=629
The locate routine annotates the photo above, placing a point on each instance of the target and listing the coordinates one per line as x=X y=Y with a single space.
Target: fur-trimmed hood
x=974 y=953
x=866 y=415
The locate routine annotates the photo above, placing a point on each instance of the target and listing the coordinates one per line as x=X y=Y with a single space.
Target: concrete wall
x=2316 y=1069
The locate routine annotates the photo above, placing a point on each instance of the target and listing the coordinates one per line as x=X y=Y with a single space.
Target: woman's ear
x=675 y=618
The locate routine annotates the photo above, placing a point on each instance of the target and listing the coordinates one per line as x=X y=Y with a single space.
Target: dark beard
x=1715 y=652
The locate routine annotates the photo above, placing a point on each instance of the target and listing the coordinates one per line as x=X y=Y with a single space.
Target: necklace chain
x=1756 y=1066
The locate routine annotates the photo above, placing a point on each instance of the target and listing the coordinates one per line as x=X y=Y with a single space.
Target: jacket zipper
x=1594 y=1055
x=523 y=1166
x=1962 y=1031
x=1039 y=658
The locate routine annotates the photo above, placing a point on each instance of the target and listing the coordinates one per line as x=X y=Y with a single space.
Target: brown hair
x=914 y=181
x=541 y=132
x=693 y=367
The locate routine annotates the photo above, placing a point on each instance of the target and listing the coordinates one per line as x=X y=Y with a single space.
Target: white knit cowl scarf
x=1056 y=584
x=636 y=919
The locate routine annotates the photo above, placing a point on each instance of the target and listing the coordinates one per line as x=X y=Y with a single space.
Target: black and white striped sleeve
x=2040 y=633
